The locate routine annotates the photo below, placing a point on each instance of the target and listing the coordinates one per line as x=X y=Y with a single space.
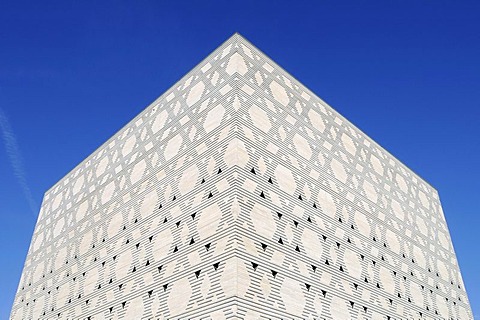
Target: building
x=240 y=194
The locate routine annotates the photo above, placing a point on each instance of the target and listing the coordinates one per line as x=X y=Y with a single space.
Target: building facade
x=239 y=194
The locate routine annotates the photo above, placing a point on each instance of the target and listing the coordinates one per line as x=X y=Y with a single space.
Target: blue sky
x=74 y=72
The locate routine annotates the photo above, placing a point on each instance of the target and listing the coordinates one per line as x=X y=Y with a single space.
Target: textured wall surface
x=239 y=194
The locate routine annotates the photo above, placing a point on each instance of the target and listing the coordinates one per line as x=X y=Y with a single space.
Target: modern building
x=239 y=194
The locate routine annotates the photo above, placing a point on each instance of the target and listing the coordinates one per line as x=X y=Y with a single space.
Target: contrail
x=13 y=153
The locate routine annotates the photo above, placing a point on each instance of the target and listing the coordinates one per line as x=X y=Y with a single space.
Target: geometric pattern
x=239 y=194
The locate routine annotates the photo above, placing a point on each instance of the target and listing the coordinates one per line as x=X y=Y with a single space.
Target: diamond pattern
x=240 y=194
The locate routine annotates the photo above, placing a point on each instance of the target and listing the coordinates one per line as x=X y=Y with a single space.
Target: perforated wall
x=240 y=194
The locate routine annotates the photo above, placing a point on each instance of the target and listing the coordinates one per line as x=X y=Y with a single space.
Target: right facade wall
x=331 y=225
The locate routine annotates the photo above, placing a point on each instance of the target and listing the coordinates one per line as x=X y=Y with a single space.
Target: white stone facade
x=239 y=194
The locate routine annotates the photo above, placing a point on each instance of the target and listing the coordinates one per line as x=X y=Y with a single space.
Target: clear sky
x=74 y=72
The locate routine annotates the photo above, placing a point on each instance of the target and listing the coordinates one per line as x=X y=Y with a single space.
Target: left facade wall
x=145 y=225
